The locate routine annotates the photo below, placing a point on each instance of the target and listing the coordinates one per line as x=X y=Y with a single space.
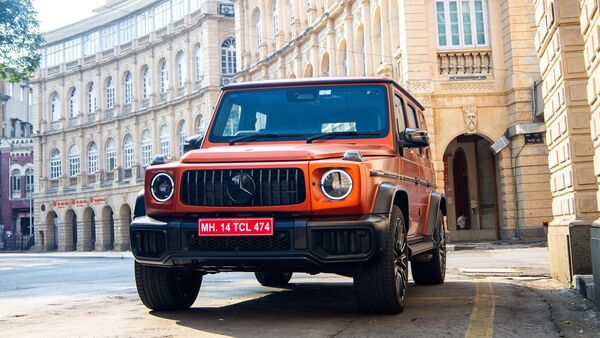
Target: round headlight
x=162 y=187
x=336 y=184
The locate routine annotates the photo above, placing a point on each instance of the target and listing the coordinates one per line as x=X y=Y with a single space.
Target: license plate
x=235 y=227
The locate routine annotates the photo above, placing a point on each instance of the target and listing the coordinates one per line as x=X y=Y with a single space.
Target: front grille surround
x=274 y=187
x=280 y=241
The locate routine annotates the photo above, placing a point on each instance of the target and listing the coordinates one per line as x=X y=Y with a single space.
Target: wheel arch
x=140 y=207
x=388 y=195
x=437 y=204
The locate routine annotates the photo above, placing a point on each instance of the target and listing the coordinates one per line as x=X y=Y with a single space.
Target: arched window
x=16 y=183
x=343 y=59
x=146 y=148
x=258 y=29
x=292 y=12
x=200 y=125
x=165 y=141
x=128 y=88
x=164 y=76
x=145 y=82
x=73 y=102
x=228 y=57
x=325 y=68
x=128 y=152
x=110 y=93
x=92 y=153
x=74 y=161
x=275 y=17
x=181 y=69
x=110 y=162
x=29 y=180
x=362 y=57
x=198 y=63
x=55 y=106
x=91 y=98
x=55 y=164
x=181 y=135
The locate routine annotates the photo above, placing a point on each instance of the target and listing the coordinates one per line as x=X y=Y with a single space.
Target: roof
x=110 y=14
x=319 y=81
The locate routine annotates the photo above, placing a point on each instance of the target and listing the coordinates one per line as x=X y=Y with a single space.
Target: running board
x=419 y=245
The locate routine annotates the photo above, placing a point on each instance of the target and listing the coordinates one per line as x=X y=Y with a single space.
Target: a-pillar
x=559 y=46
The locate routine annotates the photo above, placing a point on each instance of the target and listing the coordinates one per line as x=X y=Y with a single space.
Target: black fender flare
x=386 y=197
x=437 y=204
x=140 y=205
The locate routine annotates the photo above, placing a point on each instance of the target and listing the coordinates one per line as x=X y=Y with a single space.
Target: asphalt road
x=500 y=291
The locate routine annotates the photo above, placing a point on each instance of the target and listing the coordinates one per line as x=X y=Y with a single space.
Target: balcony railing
x=53 y=184
x=161 y=31
x=73 y=181
x=162 y=97
x=178 y=24
x=108 y=53
x=146 y=103
x=144 y=39
x=72 y=64
x=91 y=179
x=55 y=125
x=53 y=70
x=109 y=113
x=180 y=91
x=109 y=176
x=91 y=118
x=465 y=62
x=89 y=59
x=126 y=46
x=127 y=173
x=73 y=121
x=227 y=79
x=126 y=109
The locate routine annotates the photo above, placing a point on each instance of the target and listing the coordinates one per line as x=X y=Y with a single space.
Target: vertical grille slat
x=274 y=187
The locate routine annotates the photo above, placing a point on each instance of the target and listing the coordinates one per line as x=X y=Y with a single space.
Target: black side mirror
x=414 y=138
x=192 y=142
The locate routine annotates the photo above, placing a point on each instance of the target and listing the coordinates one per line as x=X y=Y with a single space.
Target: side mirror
x=414 y=138
x=192 y=142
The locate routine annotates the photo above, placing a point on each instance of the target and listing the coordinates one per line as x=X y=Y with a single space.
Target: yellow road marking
x=481 y=322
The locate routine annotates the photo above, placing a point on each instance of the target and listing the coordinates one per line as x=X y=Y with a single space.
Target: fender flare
x=437 y=204
x=140 y=205
x=384 y=200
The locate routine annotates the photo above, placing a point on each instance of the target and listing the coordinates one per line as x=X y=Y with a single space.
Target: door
x=461 y=190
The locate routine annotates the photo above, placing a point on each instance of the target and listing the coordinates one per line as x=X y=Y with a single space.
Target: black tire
x=166 y=289
x=381 y=287
x=273 y=278
x=433 y=271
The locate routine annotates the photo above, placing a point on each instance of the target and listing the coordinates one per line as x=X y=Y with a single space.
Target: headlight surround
x=162 y=187
x=336 y=184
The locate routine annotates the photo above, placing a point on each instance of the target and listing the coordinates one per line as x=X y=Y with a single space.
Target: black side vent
x=337 y=242
x=148 y=243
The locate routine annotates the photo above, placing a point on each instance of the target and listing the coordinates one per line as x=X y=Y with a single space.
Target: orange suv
x=304 y=175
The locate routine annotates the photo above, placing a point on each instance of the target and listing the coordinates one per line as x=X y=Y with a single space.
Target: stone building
x=568 y=47
x=477 y=75
x=16 y=157
x=113 y=90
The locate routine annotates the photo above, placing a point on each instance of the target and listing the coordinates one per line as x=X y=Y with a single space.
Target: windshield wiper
x=257 y=136
x=339 y=133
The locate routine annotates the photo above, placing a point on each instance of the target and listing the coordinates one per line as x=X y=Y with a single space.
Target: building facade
x=113 y=91
x=16 y=159
x=473 y=66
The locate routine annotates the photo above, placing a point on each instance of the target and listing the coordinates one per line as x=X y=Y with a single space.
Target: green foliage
x=19 y=40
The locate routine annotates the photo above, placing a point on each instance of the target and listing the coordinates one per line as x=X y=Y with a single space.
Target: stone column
x=590 y=16
x=560 y=49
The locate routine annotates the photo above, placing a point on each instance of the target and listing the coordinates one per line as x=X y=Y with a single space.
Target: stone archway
x=105 y=230
x=122 y=230
x=87 y=229
x=49 y=236
x=471 y=187
x=68 y=232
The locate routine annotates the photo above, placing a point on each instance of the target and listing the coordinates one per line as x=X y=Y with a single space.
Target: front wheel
x=273 y=278
x=381 y=287
x=166 y=289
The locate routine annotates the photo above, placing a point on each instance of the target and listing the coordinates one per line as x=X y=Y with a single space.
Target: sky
x=57 y=13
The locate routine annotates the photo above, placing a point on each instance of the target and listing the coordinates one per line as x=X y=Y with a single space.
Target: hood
x=288 y=152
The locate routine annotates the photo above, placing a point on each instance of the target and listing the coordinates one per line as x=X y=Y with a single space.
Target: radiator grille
x=272 y=187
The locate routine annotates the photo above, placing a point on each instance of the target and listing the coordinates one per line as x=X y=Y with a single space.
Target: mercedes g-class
x=302 y=175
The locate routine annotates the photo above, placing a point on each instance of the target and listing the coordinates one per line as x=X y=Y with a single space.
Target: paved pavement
x=493 y=290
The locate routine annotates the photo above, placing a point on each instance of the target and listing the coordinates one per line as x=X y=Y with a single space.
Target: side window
x=412 y=117
x=399 y=113
x=424 y=127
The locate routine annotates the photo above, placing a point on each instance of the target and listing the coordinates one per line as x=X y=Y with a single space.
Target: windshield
x=299 y=113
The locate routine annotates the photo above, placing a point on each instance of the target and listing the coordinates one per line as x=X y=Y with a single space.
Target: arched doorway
x=70 y=231
x=123 y=228
x=106 y=236
x=49 y=236
x=88 y=230
x=470 y=180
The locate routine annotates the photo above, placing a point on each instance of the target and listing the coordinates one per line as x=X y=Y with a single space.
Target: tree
x=19 y=40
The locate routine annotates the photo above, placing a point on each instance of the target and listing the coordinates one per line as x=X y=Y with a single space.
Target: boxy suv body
x=304 y=175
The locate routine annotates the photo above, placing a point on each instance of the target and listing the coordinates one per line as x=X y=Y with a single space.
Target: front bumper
x=340 y=244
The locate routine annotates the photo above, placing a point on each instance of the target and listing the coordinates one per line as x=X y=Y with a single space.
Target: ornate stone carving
x=470 y=115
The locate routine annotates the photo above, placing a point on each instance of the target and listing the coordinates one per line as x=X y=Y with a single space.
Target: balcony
x=72 y=64
x=227 y=79
x=126 y=46
x=89 y=59
x=126 y=109
x=109 y=113
x=91 y=118
x=180 y=91
x=91 y=179
x=146 y=103
x=109 y=176
x=53 y=70
x=74 y=121
x=160 y=32
x=53 y=186
x=143 y=40
x=108 y=53
x=127 y=173
x=72 y=181
x=55 y=125
x=162 y=97
x=178 y=24
x=465 y=63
